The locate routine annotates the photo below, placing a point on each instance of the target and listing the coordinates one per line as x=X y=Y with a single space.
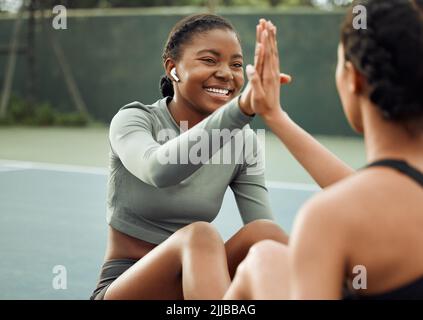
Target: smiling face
x=210 y=70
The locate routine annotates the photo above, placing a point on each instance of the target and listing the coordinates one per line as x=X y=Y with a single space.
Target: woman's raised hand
x=265 y=77
x=261 y=95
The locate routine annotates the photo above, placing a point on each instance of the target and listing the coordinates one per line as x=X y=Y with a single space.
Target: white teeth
x=220 y=91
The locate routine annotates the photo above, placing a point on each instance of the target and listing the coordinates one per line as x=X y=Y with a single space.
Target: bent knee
x=201 y=233
x=259 y=257
x=201 y=228
x=267 y=252
x=262 y=229
x=266 y=269
x=261 y=224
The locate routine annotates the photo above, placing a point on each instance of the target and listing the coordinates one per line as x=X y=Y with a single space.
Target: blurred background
x=63 y=76
x=61 y=87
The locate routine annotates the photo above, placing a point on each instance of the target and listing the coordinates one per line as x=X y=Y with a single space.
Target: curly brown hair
x=389 y=54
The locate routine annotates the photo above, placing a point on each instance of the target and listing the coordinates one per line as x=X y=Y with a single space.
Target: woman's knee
x=263 y=254
x=259 y=256
x=201 y=234
x=266 y=229
x=265 y=270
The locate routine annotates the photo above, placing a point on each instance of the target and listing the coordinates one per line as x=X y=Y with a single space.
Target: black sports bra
x=413 y=290
x=401 y=166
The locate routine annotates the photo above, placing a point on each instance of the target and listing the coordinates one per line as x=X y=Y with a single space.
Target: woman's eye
x=208 y=60
x=237 y=65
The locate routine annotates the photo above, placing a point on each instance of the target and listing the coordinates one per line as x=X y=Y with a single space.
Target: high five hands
x=261 y=95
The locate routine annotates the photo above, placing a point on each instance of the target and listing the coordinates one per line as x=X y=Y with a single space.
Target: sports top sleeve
x=132 y=140
x=249 y=186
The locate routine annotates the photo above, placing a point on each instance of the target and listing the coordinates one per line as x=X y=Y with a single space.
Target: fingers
x=260 y=62
x=262 y=48
x=257 y=53
x=255 y=82
x=273 y=44
x=262 y=24
x=257 y=50
x=259 y=30
x=269 y=28
x=250 y=72
x=274 y=30
x=260 y=57
x=285 y=78
x=258 y=33
x=268 y=68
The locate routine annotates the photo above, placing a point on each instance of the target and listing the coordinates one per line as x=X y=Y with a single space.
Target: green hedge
x=116 y=58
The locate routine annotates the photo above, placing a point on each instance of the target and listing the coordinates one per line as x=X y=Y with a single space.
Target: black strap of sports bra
x=402 y=166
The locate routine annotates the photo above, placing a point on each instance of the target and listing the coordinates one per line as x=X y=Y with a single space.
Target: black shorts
x=110 y=271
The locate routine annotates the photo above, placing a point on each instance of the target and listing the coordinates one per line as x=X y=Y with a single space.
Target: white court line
x=292 y=186
x=6 y=169
x=26 y=165
x=12 y=165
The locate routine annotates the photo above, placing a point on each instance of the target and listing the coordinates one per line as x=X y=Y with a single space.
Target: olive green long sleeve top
x=162 y=179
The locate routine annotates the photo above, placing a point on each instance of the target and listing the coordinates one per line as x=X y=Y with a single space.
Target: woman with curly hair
x=361 y=237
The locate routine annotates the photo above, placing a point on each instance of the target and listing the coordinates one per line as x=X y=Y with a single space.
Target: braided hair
x=182 y=34
x=389 y=54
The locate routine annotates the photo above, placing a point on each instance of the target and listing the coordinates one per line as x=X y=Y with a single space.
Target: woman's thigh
x=110 y=271
x=263 y=274
x=154 y=276
x=182 y=266
x=239 y=244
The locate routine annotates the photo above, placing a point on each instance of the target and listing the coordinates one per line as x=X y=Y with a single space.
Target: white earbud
x=173 y=74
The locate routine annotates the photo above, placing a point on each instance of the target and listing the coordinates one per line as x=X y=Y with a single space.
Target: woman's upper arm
x=131 y=139
x=318 y=252
x=252 y=198
x=249 y=185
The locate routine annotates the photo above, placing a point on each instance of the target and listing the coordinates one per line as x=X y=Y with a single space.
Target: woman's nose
x=224 y=72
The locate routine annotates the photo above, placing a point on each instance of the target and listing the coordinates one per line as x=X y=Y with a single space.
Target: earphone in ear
x=173 y=74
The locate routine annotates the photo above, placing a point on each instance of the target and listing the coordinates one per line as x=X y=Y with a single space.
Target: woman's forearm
x=323 y=166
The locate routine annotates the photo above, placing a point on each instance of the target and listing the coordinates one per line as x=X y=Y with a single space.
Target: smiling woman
x=209 y=67
x=161 y=243
x=210 y=73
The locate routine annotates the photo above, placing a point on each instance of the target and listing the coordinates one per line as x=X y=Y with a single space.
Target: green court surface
x=53 y=196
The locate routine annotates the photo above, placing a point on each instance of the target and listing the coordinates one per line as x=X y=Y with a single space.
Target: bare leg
x=237 y=247
x=263 y=275
x=190 y=264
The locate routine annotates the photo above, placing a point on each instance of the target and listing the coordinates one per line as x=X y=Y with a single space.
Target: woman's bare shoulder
x=348 y=200
x=368 y=194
